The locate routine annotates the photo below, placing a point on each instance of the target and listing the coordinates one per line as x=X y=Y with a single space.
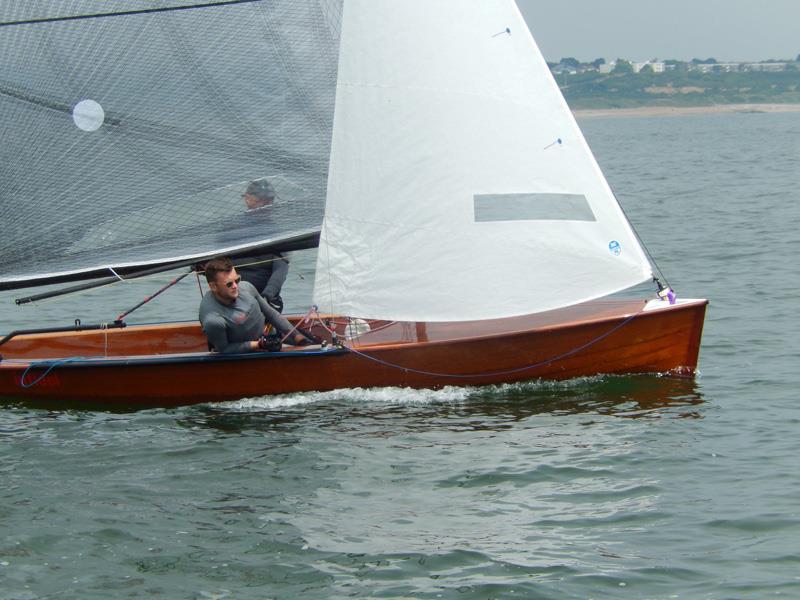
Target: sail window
x=532 y=207
x=88 y=115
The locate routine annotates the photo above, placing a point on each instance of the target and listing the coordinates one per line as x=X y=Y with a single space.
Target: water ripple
x=600 y=487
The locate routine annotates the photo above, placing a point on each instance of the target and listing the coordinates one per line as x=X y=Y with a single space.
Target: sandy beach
x=657 y=111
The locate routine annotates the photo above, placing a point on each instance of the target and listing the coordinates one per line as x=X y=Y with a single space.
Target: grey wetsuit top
x=231 y=327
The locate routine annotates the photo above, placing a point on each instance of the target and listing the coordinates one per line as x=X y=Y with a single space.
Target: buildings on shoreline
x=571 y=66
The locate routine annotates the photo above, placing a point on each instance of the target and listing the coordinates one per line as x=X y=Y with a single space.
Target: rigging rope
x=150 y=297
x=125 y=13
x=641 y=242
x=487 y=373
x=304 y=320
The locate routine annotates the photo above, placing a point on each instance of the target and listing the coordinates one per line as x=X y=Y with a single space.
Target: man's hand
x=270 y=343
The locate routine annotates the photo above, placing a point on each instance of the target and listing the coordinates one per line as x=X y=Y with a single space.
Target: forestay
x=460 y=186
x=130 y=129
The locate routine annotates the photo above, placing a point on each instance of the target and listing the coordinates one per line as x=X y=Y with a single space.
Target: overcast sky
x=728 y=30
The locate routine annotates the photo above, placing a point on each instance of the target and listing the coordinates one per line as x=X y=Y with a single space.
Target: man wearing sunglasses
x=233 y=314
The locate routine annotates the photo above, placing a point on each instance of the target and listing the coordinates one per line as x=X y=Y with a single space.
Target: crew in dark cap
x=267 y=272
x=259 y=193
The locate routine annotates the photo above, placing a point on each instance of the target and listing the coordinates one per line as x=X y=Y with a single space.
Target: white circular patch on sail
x=88 y=115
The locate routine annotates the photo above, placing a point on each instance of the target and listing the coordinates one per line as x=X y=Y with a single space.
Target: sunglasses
x=229 y=284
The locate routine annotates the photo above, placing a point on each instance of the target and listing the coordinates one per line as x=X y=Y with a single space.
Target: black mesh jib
x=128 y=137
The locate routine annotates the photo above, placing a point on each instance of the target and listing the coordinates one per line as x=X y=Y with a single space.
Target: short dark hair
x=221 y=264
x=261 y=188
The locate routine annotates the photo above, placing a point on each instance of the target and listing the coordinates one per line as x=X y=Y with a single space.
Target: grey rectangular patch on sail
x=532 y=207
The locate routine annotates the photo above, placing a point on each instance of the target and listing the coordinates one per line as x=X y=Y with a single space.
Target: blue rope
x=51 y=366
x=508 y=372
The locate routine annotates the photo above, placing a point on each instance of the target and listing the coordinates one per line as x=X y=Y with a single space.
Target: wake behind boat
x=466 y=233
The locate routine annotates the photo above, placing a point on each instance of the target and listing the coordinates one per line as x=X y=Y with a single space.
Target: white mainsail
x=460 y=186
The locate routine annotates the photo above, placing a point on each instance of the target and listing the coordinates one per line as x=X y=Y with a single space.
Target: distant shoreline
x=660 y=111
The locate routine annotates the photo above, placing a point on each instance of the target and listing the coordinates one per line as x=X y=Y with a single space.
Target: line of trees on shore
x=699 y=82
x=573 y=66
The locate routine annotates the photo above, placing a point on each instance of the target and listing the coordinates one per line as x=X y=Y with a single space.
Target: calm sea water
x=608 y=487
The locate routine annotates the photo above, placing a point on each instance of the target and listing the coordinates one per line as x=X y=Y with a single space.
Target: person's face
x=255 y=202
x=226 y=286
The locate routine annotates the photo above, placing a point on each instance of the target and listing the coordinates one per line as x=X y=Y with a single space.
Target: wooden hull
x=162 y=365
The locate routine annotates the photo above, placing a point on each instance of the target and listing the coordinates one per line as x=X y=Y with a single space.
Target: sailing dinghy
x=466 y=233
